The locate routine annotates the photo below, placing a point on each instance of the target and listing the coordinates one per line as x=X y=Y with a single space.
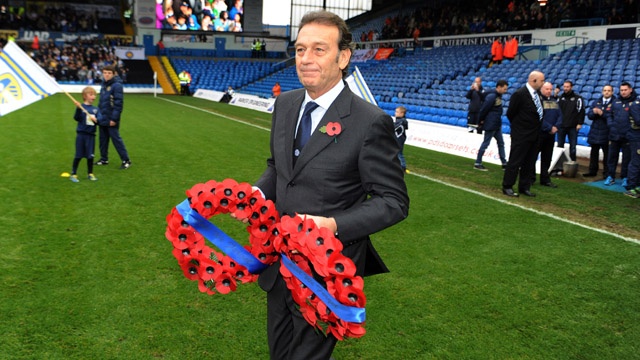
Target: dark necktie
x=304 y=130
x=536 y=100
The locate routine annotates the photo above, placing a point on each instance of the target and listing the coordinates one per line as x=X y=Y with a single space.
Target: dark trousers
x=594 y=159
x=112 y=133
x=545 y=147
x=634 y=164
x=614 y=152
x=289 y=335
x=572 y=133
x=472 y=119
x=522 y=160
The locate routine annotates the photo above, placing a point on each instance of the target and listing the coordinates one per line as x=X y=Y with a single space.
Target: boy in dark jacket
x=401 y=125
x=111 y=106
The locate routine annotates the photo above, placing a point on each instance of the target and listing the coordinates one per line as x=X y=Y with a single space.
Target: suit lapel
x=318 y=141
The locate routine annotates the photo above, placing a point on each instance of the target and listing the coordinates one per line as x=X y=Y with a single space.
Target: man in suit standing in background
x=350 y=182
x=525 y=114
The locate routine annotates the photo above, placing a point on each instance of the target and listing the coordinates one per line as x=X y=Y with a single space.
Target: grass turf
x=86 y=272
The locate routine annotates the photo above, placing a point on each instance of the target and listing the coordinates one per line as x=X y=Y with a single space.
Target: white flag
x=359 y=86
x=22 y=80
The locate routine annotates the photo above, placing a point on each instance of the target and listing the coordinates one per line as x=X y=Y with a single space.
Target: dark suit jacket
x=355 y=178
x=523 y=116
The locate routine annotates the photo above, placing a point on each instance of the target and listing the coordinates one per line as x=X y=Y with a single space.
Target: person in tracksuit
x=111 y=106
x=619 y=125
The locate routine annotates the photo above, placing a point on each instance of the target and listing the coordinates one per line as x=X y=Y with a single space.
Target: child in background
x=85 y=132
x=401 y=125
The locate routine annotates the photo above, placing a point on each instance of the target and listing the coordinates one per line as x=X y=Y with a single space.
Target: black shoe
x=589 y=175
x=125 y=165
x=528 y=193
x=509 y=192
x=102 y=162
x=550 y=184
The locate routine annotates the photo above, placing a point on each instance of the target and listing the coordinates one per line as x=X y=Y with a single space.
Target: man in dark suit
x=525 y=114
x=351 y=183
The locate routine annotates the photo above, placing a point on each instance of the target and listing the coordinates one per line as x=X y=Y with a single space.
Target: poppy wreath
x=299 y=244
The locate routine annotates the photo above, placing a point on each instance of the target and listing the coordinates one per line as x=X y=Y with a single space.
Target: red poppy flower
x=206 y=204
x=181 y=254
x=208 y=269
x=225 y=283
x=334 y=128
x=196 y=190
x=206 y=286
x=354 y=330
x=190 y=270
x=339 y=264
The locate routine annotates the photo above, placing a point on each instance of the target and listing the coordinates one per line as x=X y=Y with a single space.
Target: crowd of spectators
x=488 y=16
x=80 y=61
x=204 y=15
x=51 y=18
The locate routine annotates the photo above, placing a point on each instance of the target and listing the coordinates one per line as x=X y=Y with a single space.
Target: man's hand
x=597 y=111
x=553 y=130
x=112 y=123
x=321 y=221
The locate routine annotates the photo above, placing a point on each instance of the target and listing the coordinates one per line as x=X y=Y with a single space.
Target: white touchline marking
x=632 y=240
x=555 y=217
x=216 y=114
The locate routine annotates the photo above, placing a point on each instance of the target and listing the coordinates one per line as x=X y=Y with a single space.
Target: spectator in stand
x=510 y=48
x=276 y=90
x=551 y=122
x=193 y=24
x=490 y=117
x=572 y=106
x=496 y=52
x=182 y=23
x=236 y=9
x=619 y=126
x=237 y=23
x=220 y=6
x=475 y=96
x=160 y=15
x=598 y=136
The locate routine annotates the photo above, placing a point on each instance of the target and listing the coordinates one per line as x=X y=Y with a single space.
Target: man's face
x=538 y=81
x=566 y=87
x=107 y=75
x=319 y=62
x=625 y=91
x=502 y=89
x=399 y=113
x=546 y=89
x=607 y=91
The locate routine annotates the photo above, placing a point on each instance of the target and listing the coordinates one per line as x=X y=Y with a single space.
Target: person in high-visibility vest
x=185 y=81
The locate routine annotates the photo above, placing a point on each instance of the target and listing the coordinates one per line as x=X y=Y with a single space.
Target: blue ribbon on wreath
x=218 y=238
x=344 y=312
x=243 y=257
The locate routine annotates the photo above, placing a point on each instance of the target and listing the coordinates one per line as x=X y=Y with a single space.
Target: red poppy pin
x=332 y=129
